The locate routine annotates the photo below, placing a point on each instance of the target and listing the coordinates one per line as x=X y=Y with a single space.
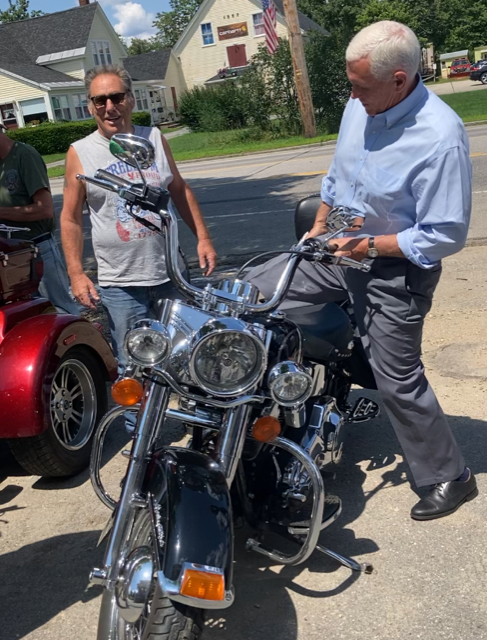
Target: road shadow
x=264 y=596
x=56 y=570
x=245 y=216
x=43 y=579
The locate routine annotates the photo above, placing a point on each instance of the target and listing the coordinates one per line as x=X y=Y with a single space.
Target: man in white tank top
x=131 y=259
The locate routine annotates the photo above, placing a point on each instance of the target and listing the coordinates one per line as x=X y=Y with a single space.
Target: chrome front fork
x=149 y=421
x=232 y=440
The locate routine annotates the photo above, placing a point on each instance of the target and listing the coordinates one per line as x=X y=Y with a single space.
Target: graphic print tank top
x=127 y=253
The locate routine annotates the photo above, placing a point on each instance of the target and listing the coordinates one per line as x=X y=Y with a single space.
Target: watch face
x=372 y=252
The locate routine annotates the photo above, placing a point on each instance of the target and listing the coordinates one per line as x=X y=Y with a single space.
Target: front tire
x=483 y=78
x=162 y=619
x=77 y=402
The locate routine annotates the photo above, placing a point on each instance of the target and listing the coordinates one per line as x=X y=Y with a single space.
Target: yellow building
x=225 y=34
x=43 y=62
x=480 y=53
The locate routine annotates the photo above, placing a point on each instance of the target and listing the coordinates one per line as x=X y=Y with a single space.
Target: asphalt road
x=248 y=201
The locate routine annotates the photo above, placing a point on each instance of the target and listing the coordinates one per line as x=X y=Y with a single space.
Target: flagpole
x=300 y=68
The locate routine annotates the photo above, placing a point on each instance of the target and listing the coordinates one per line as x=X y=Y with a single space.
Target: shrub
x=216 y=108
x=142 y=118
x=53 y=137
x=56 y=137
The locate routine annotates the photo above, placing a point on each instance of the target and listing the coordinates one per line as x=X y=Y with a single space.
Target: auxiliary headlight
x=289 y=383
x=227 y=358
x=147 y=343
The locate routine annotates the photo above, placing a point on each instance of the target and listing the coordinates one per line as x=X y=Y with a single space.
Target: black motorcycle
x=265 y=395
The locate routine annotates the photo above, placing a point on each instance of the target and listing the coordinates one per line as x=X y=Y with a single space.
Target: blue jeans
x=55 y=283
x=126 y=305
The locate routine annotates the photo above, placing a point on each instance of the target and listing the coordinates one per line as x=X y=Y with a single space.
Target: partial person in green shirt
x=26 y=202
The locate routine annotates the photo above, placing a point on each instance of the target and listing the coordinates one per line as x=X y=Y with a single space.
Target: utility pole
x=300 y=68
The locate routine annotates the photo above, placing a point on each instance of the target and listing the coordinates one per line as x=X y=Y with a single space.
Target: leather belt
x=42 y=238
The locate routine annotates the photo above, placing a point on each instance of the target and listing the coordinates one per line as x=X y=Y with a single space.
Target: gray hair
x=108 y=69
x=390 y=47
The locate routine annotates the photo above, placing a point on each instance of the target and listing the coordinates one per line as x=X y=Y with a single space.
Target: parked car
x=53 y=370
x=461 y=65
x=478 y=71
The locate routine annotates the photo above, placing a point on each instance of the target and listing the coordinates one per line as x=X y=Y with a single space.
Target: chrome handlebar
x=300 y=251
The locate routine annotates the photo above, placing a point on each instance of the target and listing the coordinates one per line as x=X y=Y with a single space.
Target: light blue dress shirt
x=408 y=172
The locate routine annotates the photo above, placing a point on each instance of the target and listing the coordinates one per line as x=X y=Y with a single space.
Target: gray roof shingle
x=22 y=42
x=148 y=66
x=61 y=31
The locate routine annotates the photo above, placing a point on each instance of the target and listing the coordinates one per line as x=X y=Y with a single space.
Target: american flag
x=269 y=11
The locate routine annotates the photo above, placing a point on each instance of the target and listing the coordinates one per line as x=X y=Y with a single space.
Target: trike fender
x=29 y=356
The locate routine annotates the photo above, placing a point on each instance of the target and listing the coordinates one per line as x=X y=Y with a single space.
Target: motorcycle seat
x=327 y=331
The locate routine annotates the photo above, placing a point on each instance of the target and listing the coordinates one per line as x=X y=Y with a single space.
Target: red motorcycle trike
x=53 y=370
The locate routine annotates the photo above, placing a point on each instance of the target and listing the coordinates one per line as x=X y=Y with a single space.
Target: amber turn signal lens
x=266 y=429
x=127 y=392
x=203 y=585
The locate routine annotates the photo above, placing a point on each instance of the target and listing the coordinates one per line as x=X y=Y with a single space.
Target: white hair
x=390 y=47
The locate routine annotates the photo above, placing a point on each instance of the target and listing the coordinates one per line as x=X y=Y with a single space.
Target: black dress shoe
x=445 y=498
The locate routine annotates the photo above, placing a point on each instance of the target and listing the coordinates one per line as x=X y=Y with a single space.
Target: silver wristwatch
x=372 y=251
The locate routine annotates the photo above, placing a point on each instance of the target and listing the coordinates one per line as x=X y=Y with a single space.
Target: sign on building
x=236 y=30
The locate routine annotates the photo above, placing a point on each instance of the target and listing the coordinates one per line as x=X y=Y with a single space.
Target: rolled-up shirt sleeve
x=443 y=194
x=328 y=190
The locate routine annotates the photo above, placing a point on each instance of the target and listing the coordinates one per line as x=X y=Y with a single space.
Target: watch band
x=372 y=251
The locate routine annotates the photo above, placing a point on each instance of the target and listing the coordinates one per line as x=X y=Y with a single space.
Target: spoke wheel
x=483 y=78
x=73 y=405
x=77 y=401
x=161 y=618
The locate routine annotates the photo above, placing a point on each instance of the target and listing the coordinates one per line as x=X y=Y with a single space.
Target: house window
x=61 y=108
x=258 y=19
x=207 y=33
x=101 y=52
x=81 y=106
x=141 y=98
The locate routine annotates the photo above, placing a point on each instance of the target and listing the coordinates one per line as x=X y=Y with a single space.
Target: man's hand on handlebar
x=207 y=256
x=84 y=291
x=355 y=248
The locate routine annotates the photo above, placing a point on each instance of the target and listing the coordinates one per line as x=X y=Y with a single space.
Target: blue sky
x=130 y=18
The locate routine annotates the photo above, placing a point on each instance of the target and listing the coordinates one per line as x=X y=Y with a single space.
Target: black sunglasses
x=115 y=98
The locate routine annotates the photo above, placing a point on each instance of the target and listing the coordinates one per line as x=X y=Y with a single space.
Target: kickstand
x=366 y=567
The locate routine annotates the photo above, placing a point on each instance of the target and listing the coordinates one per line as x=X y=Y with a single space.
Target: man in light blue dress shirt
x=402 y=164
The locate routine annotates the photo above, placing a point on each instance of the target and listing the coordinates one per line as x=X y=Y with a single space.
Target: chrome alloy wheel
x=73 y=404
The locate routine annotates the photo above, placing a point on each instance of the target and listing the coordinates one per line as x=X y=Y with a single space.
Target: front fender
x=192 y=503
x=29 y=356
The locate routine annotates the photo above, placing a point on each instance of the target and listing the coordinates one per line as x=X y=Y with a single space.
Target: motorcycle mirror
x=343 y=219
x=133 y=150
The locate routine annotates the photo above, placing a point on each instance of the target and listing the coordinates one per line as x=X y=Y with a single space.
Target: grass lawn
x=53 y=157
x=470 y=106
x=191 y=146
x=55 y=172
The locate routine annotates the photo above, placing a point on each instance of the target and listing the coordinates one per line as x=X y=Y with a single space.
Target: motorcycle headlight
x=289 y=383
x=147 y=343
x=227 y=359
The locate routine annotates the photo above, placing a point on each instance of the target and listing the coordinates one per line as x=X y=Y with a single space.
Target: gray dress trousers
x=390 y=303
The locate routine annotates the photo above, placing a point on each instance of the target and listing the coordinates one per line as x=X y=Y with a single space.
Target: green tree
x=141 y=45
x=171 y=24
x=270 y=85
x=18 y=10
x=337 y=16
x=330 y=88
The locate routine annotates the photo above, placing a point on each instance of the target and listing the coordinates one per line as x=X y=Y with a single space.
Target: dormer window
x=101 y=52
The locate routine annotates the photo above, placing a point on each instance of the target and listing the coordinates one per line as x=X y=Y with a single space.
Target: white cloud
x=133 y=20
x=130 y=19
